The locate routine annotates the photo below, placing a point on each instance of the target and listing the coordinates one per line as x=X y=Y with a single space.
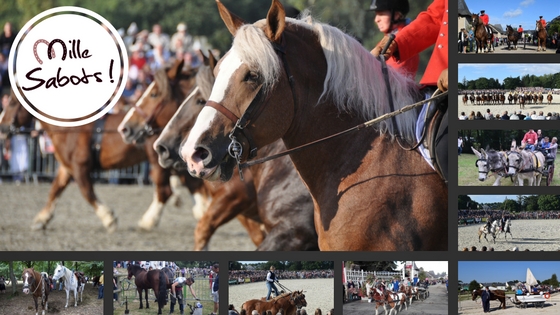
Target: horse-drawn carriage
x=523 y=301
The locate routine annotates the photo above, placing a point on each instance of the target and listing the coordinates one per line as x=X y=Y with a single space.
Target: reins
x=355 y=128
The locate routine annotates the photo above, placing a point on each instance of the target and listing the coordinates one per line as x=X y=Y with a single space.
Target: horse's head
x=178 y=128
x=28 y=277
x=131 y=270
x=158 y=103
x=298 y=299
x=13 y=116
x=475 y=294
x=482 y=164
x=59 y=272
x=242 y=113
x=475 y=19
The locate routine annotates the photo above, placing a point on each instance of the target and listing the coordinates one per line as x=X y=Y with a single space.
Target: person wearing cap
x=177 y=292
x=543 y=22
x=486 y=20
x=430 y=27
x=390 y=17
x=181 y=41
x=270 y=279
x=520 y=32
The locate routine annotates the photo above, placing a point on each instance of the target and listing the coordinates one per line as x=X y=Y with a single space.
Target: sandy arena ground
x=535 y=235
x=529 y=49
x=319 y=293
x=76 y=227
x=499 y=109
x=472 y=307
x=435 y=304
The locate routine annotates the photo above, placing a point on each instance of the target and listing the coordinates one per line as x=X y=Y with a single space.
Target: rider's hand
x=442 y=81
x=393 y=49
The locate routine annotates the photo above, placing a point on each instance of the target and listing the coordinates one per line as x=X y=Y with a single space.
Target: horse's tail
x=162 y=296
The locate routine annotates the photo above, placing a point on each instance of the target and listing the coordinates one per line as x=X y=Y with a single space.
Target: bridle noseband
x=255 y=108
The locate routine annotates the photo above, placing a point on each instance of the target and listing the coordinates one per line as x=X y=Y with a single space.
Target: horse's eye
x=201 y=101
x=251 y=77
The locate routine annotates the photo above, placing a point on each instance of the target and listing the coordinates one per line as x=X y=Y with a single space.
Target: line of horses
x=495 y=229
x=304 y=201
x=499 y=98
x=518 y=163
x=38 y=285
x=384 y=298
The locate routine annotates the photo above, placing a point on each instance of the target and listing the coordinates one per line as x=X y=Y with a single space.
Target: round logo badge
x=68 y=66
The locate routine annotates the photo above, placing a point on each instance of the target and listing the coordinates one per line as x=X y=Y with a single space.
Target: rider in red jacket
x=543 y=21
x=486 y=20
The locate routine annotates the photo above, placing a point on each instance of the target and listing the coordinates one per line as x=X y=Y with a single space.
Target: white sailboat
x=530 y=280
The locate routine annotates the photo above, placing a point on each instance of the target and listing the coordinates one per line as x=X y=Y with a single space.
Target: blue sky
x=501 y=271
x=493 y=198
x=515 y=12
x=473 y=71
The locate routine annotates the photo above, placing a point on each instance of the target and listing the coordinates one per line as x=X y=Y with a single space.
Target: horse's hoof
x=112 y=227
x=146 y=225
x=36 y=226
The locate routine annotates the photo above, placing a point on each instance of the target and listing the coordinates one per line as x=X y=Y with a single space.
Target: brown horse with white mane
x=38 y=285
x=272 y=197
x=284 y=84
x=289 y=302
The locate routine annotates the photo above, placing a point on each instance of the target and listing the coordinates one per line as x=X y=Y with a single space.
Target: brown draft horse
x=273 y=195
x=364 y=181
x=549 y=98
x=156 y=279
x=540 y=33
x=37 y=284
x=77 y=159
x=289 y=302
x=512 y=37
x=215 y=205
x=499 y=295
x=483 y=43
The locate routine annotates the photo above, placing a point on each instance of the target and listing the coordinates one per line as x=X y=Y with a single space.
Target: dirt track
x=319 y=293
x=533 y=235
x=76 y=227
x=472 y=307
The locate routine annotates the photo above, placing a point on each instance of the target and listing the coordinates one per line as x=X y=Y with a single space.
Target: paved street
x=435 y=304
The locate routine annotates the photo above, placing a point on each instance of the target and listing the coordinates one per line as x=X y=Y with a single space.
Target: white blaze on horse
x=70 y=282
x=38 y=285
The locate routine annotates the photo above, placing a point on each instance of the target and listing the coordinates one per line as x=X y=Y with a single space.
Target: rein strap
x=358 y=127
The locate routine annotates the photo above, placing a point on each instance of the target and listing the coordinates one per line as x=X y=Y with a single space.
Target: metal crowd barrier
x=42 y=167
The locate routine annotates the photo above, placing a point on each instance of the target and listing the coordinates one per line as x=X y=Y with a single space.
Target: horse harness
x=534 y=163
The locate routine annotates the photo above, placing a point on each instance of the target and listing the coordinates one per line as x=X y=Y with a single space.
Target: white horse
x=490 y=161
x=70 y=282
x=506 y=229
x=526 y=165
x=488 y=229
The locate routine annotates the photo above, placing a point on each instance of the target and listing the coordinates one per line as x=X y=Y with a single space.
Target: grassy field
x=201 y=288
x=468 y=174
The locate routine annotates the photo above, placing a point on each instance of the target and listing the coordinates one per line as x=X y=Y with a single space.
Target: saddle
x=435 y=139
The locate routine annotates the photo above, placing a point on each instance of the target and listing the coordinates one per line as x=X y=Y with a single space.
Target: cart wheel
x=550 y=175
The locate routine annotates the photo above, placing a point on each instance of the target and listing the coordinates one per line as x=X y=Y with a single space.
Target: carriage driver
x=390 y=17
x=177 y=292
x=486 y=20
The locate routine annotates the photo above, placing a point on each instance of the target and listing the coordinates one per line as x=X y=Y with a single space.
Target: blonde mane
x=354 y=81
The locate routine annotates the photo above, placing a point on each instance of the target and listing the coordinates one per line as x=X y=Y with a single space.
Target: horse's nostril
x=204 y=155
x=162 y=150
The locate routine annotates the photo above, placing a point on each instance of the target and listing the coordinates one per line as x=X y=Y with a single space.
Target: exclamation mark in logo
x=111 y=71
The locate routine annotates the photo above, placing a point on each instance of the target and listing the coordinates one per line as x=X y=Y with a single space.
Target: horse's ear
x=205 y=59
x=232 y=21
x=175 y=71
x=476 y=152
x=275 y=21
x=212 y=61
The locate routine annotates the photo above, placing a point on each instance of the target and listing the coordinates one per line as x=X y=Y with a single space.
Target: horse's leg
x=146 y=291
x=59 y=183
x=67 y=297
x=36 y=305
x=160 y=177
x=81 y=173
x=140 y=294
x=228 y=203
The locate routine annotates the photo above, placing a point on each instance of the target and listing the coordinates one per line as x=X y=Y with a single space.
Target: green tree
x=474 y=285
x=548 y=202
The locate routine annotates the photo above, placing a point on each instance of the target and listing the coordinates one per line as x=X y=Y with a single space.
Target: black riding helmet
x=401 y=6
x=390 y=5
